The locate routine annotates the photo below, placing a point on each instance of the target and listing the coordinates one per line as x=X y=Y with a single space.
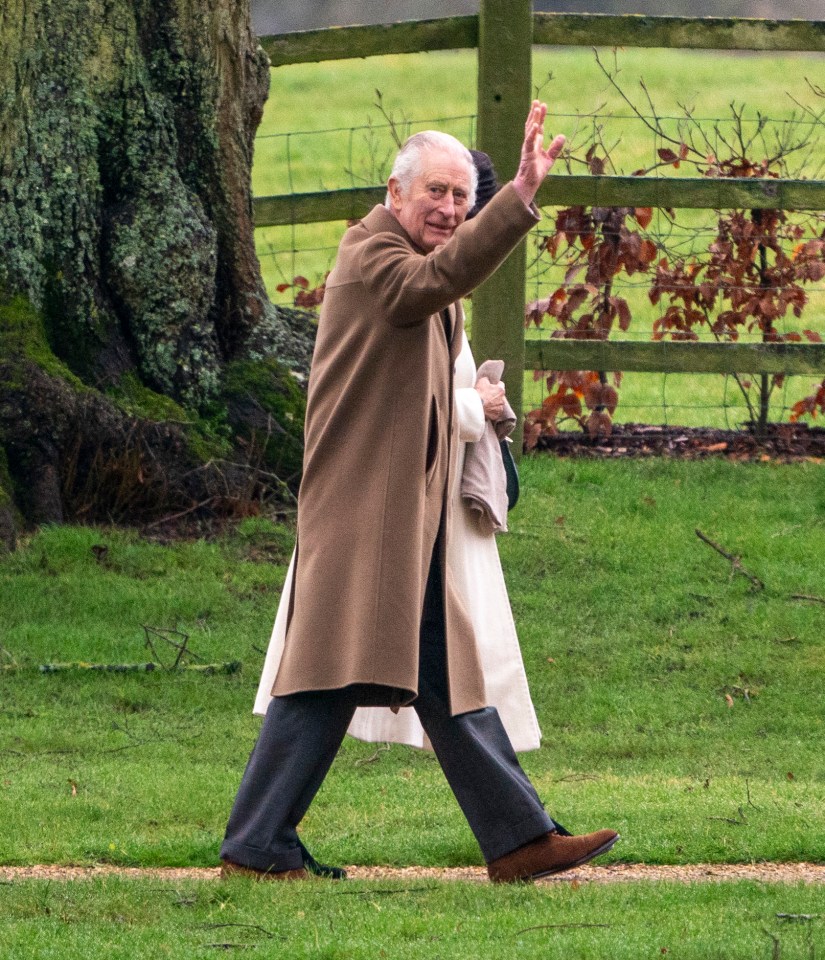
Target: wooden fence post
x=505 y=45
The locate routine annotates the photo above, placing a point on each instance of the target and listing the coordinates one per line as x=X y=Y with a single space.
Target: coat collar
x=382 y=220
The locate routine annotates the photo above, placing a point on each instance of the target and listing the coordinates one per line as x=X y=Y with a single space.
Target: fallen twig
x=177 y=516
x=807 y=596
x=561 y=926
x=737 y=823
x=164 y=634
x=735 y=562
x=247 y=926
x=372 y=893
x=209 y=669
x=776 y=953
x=374 y=756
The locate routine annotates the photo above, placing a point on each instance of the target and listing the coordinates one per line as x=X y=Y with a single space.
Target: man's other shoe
x=551 y=853
x=320 y=869
x=229 y=869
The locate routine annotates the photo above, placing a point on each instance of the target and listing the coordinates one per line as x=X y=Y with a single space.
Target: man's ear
x=394 y=189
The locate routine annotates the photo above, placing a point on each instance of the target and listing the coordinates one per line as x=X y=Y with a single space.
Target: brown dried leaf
x=599 y=424
x=535 y=310
x=647 y=252
x=624 y=313
x=532 y=432
x=593 y=395
x=572 y=405
x=610 y=398
x=596 y=165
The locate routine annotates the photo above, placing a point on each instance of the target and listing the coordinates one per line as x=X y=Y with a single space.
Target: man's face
x=437 y=200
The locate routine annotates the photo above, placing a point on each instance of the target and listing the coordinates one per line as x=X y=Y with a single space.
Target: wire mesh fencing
x=666 y=273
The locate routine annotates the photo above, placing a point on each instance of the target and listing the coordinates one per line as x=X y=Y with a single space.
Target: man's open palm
x=536 y=161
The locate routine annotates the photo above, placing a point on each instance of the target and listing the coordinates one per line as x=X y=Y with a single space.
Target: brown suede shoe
x=229 y=869
x=551 y=853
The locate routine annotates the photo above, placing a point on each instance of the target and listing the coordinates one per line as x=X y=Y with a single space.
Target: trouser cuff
x=535 y=826
x=264 y=860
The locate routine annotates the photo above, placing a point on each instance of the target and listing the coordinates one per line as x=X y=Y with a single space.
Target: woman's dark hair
x=487 y=181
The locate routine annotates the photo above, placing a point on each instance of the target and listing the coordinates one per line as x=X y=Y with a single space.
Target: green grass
x=115 y=918
x=348 y=143
x=677 y=705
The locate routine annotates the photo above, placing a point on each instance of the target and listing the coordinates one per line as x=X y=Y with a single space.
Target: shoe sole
x=258 y=876
x=578 y=863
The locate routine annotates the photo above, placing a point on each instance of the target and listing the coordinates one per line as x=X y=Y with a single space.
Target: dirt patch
x=790 y=873
x=785 y=442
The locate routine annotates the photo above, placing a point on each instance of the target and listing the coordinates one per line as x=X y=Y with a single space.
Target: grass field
x=323 y=130
x=409 y=920
x=678 y=705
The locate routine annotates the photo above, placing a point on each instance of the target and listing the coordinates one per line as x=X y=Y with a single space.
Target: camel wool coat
x=380 y=437
x=476 y=570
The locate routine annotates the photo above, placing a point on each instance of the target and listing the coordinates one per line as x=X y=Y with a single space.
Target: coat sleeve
x=413 y=286
x=470 y=414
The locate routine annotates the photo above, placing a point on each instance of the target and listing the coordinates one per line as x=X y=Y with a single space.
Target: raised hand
x=536 y=161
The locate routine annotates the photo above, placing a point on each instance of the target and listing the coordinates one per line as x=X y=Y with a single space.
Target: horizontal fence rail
x=714 y=193
x=605 y=191
x=673 y=356
x=321 y=207
x=553 y=29
x=697 y=33
x=348 y=43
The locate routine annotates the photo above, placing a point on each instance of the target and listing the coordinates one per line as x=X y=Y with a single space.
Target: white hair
x=408 y=161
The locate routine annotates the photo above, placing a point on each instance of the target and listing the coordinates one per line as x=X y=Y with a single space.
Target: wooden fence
x=504 y=33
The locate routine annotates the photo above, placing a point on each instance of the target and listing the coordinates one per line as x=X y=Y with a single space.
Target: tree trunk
x=126 y=139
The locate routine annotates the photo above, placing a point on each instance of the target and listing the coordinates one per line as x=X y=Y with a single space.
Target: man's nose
x=447 y=206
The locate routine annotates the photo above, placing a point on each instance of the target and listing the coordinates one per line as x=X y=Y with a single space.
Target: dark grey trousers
x=301 y=734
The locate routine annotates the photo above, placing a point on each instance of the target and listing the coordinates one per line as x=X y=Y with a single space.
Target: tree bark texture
x=69 y=452
x=126 y=140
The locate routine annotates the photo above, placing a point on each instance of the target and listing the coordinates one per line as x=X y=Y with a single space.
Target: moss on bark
x=126 y=137
x=70 y=452
x=266 y=407
x=9 y=517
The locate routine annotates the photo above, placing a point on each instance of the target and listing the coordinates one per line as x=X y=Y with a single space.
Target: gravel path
x=610 y=873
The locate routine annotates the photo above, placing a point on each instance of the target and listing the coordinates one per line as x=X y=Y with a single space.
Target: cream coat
x=474 y=563
x=380 y=442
